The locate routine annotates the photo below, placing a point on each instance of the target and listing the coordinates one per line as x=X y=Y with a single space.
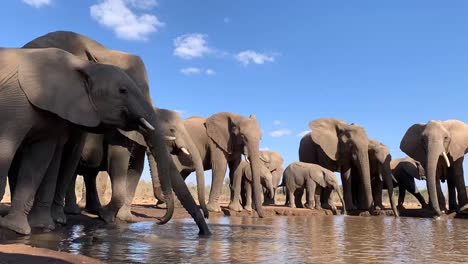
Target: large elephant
x=44 y=94
x=221 y=140
x=266 y=178
x=274 y=162
x=440 y=146
x=406 y=170
x=312 y=177
x=88 y=49
x=338 y=146
x=100 y=154
x=381 y=174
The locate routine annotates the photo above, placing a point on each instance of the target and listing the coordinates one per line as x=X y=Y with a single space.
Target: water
x=318 y=239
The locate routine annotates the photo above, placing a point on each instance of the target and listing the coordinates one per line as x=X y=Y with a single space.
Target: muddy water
x=318 y=239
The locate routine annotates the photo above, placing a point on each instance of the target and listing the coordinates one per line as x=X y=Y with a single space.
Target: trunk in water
x=431 y=170
x=363 y=159
x=199 y=170
x=337 y=189
x=255 y=166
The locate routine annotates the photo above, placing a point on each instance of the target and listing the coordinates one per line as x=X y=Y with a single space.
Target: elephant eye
x=122 y=90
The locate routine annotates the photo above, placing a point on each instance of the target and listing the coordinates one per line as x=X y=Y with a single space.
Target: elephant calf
x=405 y=171
x=266 y=179
x=300 y=175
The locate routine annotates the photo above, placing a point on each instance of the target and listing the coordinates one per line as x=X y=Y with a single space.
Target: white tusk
x=393 y=177
x=146 y=124
x=446 y=159
x=170 y=138
x=247 y=159
x=184 y=150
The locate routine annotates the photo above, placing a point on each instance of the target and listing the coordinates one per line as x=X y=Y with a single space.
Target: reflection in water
x=317 y=239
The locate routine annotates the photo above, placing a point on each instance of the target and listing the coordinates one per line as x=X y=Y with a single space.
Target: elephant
x=221 y=140
x=89 y=49
x=440 y=146
x=266 y=178
x=45 y=93
x=300 y=175
x=274 y=162
x=99 y=155
x=338 y=146
x=405 y=170
x=381 y=174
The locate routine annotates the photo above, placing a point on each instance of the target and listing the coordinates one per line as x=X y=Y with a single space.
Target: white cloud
x=249 y=56
x=117 y=15
x=191 y=46
x=143 y=4
x=195 y=70
x=281 y=133
x=276 y=122
x=303 y=133
x=37 y=3
x=210 y=72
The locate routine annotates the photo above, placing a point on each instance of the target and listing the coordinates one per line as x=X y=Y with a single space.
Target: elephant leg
x=291 y=198
x=298 y=197
x=440 y=196
x=310 y=194
x=235 y=176
x=93 y=204
x=71 y=156
x=401 y=197
x=3 y=181
x=452 y=195
x=347 y=188
x=40 y=215
x=71 y=206
x=391 y=197
x=421 y=200
x=248 y=196
x=119 y=158
x=377 y=194
x=34 y=164
x=218 y=169
x=135 y=169
x=458 y=176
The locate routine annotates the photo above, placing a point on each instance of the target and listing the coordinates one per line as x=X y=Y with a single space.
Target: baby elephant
x=300 y=175
x=266 y=179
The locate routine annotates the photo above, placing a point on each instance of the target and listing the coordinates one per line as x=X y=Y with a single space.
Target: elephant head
x=181 y=144
x=274 y=163
x=266 y=177
x=437 y=143
x=236 y=135
x=328 y=180
x=91 y=95
x=345 y=144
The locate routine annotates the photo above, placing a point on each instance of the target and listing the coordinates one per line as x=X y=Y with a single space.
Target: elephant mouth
x=178 y=150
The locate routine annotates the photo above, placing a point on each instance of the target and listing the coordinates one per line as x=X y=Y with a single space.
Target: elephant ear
x=318 y=177
x=265 y=157
x=325 y=134
x=458 y=138
x=134 y=136
x=218 y=128
x=56 y=81
x=412 y=143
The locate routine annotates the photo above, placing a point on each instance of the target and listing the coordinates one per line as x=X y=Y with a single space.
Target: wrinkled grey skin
x=406 y=170
x=440 y=146
x=222 y=139
x=338 y=146
x=381 y=174
x=266 y=178
x=274 y=162
x=314 y=178
x=35 y=125
x=94 y=159
x=88 y=49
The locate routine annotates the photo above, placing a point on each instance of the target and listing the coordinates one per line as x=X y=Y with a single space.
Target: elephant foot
x=41 y=218
x=125 y=214
x=16 y=223
x=463 y=208
x=351 y=208
x=161 y=205
x=213 y=207
x=92 y=210
x=378 y=207
x=401 y=207
x=235 y=206
x=58 y=214
x=426 y=206
x=107 y=214
x=248 y=208
x=72 y=209
x=326 y=206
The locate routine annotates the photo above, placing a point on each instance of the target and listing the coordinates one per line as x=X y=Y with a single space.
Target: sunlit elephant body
x=406 y=170
x=45 y=94
x=314 y=179
x=440 y=146
x=338 y=146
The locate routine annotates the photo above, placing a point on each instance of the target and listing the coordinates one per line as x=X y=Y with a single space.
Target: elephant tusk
x=146 y=124
x=170 y=138
x=393 y=177
x=184 y=150
x=247 y=159
x=446 y=159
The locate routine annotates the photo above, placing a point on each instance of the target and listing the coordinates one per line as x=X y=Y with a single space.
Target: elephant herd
x=71 y=106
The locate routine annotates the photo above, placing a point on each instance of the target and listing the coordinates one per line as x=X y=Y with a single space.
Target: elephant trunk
x=388 y=179
x=337 y=189
x=199 y=170
x=434 y=151
x=363 y=159
x=255 y=165
x=270 y=187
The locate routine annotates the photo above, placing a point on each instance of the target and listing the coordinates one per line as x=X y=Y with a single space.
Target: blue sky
x=383 y=65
